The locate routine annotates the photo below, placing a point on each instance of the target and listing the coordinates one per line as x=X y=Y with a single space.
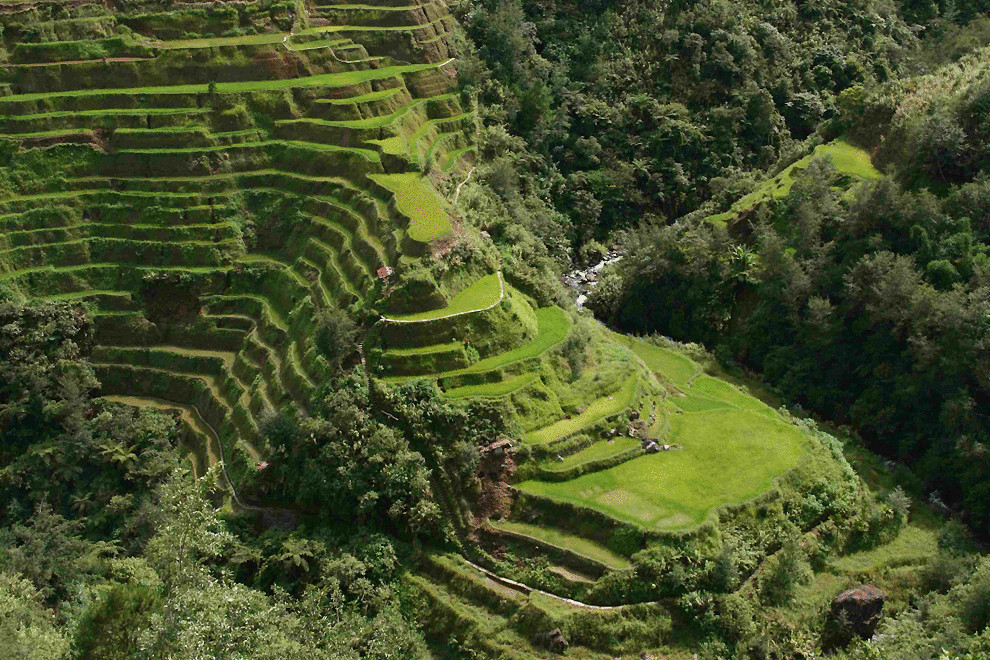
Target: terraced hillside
x=208 y=189
x=210 y=179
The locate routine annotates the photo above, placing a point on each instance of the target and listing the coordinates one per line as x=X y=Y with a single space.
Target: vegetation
x=287 y=369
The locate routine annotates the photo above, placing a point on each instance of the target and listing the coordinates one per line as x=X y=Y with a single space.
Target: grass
x=416 y=198
x=595 y=452
x=555 y=537
x=338 y=79
x=596 y=410
x=848 y=160
x=426 y=350
x=728 y=456
x=499 y=388
x=364 y=98
x=454 y=156
x=378 y=121
x=483 y=293
x=553 y=325
x=720 y=390
x=915 y=544
x=673 y=366
x=394 y=146
x=733 y=447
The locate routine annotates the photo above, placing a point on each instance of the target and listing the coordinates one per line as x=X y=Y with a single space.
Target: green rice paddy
x=553 y=325
x=717 y=425
x=674 y=367
x=596 y=452
x=499 y=388
x=598 y=409
x=483 y=293
x=337 y=79
x=728 y=456
x=416 y=198
x=556 y=537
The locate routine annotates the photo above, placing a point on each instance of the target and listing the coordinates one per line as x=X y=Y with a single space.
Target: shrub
x=783 y=573
x=336 y=336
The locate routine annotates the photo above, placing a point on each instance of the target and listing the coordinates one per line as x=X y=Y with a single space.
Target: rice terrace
x=487 y=329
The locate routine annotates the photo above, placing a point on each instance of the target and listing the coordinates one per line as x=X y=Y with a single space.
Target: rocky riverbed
x=580 y=282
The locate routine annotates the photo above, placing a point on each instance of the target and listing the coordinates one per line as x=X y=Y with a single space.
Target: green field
x=338 y=79
x=728 y=456
x=483 y=293
x=576 y=544
x=915 y=544
x=553 y=326
x=848 y=160
x=733 y=447
x=498 y=388
x=673 y=366
x=597 y=451
x=598 y=409
x=415 y=197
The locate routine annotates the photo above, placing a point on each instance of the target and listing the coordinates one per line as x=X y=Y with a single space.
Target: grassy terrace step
x=368 y=154
x=418 y=201
x=496 y=389
x=437 y=143
x=597 y=410
x=10 y=122
x=193 y=390
x=378 y=95
x=266 y=315
x=218 y=365
x=357 y=243
x=258 y=345
x=323 y=29
x=110 y=268
x=222 y=231
x=379 y=121
x=118 y=250
x=596 y=452
x=346 y=289
x=679 y=489
x=564 y=540
x=426 y=350
x=666 y=363
x=445 y=612
x=422 y=359
x=312 y=272
x=364 y=243
x=553 y=326
x=338 y=79
x=336 y=195
x=428 y=125
x=484 y=293
x=454 y=156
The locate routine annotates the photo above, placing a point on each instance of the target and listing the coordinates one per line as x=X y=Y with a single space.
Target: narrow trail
x=501 y=297
x=457 y=193
x=241 y=504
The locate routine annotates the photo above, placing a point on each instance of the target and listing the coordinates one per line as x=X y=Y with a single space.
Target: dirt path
x=457 y=193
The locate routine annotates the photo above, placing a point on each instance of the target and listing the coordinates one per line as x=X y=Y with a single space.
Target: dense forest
x=221 y=435
x=871 y=310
